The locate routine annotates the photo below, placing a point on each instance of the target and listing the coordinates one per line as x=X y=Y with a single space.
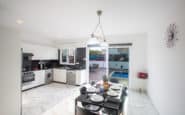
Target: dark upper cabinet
x=81 y=56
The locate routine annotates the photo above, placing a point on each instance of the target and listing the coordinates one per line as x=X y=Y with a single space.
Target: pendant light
x=93 y=41
x=97 y=36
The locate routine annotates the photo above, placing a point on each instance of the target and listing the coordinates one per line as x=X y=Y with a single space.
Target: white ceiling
x=75 y=19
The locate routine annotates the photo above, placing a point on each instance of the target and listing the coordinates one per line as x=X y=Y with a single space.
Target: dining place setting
x=101 y=98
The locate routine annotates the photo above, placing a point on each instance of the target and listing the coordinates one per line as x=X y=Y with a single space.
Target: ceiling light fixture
x=97 y=36
x=19 y=21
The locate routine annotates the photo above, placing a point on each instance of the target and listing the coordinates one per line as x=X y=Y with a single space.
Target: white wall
x=10 y=69
x=166 y=85
x=71 y=45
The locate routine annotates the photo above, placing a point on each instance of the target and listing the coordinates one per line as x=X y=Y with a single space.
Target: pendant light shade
x=97 y=35
x=104 y=44
x=93 y=42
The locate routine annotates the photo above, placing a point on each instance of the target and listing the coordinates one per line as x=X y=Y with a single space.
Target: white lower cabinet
x=40 y=77
x=59 y=75
x=81 y=77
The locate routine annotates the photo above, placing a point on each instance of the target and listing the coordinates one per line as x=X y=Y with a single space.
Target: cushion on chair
x=114 y=80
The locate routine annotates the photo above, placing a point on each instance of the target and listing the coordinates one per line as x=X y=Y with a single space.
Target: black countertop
x=70 y=68
x=56 y=68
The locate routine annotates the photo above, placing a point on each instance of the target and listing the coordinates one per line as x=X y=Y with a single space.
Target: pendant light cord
x=99 y=12
x=97 y=25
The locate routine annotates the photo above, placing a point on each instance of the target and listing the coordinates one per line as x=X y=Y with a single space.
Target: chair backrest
x=82 y=111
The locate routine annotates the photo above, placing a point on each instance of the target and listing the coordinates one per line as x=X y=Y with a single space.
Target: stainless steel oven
x=28 y=76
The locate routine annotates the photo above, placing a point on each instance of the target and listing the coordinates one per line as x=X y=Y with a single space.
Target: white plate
x=96 y=98
x=92 y=107
x=91 y=89
x=115 y=87
x=112 y=93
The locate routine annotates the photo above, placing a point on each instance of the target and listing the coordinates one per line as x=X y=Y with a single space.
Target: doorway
x=98 y=62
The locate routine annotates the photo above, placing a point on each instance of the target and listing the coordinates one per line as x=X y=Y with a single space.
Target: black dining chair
x=83 y=111
x=124 y=94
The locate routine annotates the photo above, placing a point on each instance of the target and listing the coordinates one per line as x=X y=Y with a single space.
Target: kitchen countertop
x=68 y=68
x=38 y=70
x=42 y=69
x=77 y=69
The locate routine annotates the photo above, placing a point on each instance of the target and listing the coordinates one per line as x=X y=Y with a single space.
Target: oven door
x=28 y=77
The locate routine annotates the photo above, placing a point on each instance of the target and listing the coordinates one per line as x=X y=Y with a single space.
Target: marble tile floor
x=52 y=99
x=138 y=104
x=58 y=99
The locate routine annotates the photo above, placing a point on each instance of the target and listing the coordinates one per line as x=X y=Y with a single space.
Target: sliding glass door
x=98 y=63
x=110 y=61
x=119 y=63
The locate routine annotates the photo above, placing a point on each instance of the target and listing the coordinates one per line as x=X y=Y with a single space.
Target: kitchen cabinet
x=67 y=56
x=62 y=75
x=52 y=53
x=59 y=75
x=41 y=52
x=71 y=56
x=81 y=77
x=80 y=55
x=63 y=56
x=40 y=77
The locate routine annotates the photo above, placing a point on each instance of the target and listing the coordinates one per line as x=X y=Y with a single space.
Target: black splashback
x=48 y=64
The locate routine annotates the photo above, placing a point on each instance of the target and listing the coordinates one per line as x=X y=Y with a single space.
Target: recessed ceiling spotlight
x=19 y=21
